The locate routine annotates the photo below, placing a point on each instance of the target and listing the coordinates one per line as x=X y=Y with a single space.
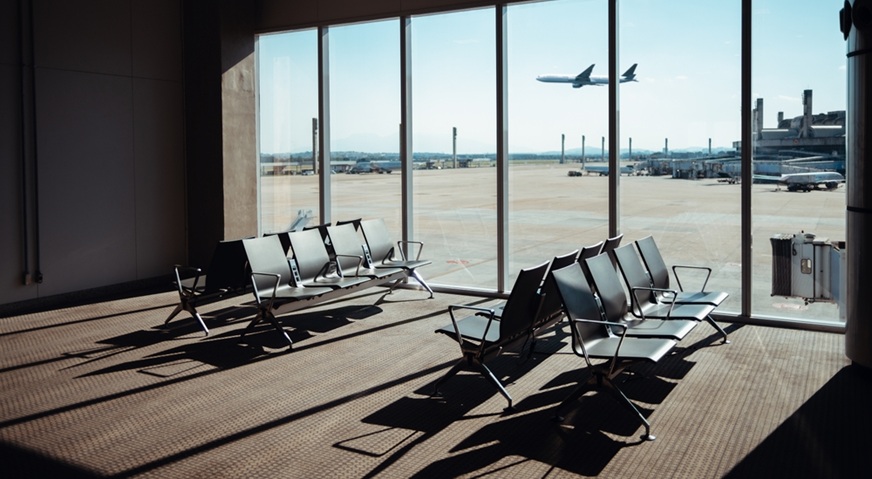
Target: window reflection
x=288 y=106
x=679 y=128
x=553 y=126
x=678 y=125
x=365 y=119
x=453 y=77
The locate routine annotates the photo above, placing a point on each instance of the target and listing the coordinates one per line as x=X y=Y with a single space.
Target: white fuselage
x=594 y=80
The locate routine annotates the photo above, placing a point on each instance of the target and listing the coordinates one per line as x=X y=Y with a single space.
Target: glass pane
x=799 y=158
x=453 y=78
x=679 y=121
x=554 y=208
x=288 y=104
x=365 y=121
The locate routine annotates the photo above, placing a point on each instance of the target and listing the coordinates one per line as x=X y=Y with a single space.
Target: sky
x=688 y=89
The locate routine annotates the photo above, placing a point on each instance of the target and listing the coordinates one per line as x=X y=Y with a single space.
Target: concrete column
x=858 y=333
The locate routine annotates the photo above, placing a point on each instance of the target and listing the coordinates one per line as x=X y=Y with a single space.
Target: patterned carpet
x=105 y=390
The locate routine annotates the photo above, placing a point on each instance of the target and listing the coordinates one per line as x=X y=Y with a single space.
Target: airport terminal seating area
x=617 y=325
x=607 y=327
x=293 y=270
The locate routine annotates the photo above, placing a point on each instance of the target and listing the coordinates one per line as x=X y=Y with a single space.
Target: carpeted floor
x=105 y=390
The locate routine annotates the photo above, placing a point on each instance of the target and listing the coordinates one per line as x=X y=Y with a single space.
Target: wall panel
x=86 y=180
x=83 y=35
x=159 y=176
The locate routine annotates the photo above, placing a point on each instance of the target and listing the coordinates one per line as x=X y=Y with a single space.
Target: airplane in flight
x=584 y=78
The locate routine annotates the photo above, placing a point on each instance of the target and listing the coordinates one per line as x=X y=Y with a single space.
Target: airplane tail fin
x=630 y=74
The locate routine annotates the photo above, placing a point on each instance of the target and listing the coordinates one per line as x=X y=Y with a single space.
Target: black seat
x=271 y=279
x=589 y=251
x=594 y=339
x=551 y=311
x=484 y=337
x=226 y=276
x=349 y=253
x=659 y=275
x=644 y=301
x=615 y=305
x=610 y=244
x=383 y=254
x=313 y=262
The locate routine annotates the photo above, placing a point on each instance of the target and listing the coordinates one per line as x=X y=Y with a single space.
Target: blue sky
x=688 y=90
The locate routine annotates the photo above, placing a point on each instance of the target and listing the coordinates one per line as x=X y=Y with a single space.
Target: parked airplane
x=584 y=78
x=386 y=166
x=804 y=181
x=628 y=169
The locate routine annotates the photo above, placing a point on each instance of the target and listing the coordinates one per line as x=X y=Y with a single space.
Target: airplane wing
x=583 y=78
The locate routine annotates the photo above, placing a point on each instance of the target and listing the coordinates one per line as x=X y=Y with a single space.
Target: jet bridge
x=808 y=267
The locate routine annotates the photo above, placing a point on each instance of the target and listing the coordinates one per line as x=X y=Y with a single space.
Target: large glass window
x=365 y=121
x=679 y=121
x=288 y=112
x=454 y=92
x=799 y=145
x=680 y=125
x=558 y=202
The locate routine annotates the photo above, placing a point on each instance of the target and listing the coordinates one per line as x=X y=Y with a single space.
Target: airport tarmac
x=550 y=213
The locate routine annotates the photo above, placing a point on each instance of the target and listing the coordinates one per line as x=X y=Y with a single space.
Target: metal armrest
x=403 y=250
x=490 y=315
x=183 y=290
x=634 y=291
x=272 y=298
x=623 y=326
x=614 y=359
x=358 y=258
x=325 y=270
x=687 y=266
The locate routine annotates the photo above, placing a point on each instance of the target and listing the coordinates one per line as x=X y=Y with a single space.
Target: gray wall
x=92 y=164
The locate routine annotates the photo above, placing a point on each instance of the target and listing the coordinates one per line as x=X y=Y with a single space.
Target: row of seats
x=297 y=269
x=533 y=307
x=605 y=324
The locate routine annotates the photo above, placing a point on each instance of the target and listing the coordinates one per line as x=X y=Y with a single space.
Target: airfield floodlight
x=454 y=146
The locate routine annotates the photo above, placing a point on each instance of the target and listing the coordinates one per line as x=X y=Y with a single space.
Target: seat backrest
x=634 y=273
x=378 y=240
x=578 y=301
x=590 y=251
x=612 y=243
x=586 y=252
x=551 y=304
x=310 y=252
x=355 y=222
x=608 y=287
x=266 y=255
x=346 y=242
x=227 y=267
x=522 y=307
x=654 y=263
